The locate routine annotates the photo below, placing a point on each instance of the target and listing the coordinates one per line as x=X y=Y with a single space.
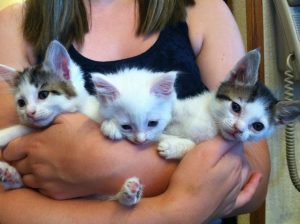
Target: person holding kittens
x=71 y=158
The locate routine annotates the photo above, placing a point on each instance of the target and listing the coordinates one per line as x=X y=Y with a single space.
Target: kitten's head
x=40 y=90
x=245 y=109
x=138 y=101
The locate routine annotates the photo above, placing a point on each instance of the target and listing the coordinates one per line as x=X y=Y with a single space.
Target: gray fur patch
x=45 y=80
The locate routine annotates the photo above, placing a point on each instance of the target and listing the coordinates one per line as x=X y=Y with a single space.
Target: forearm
x=36 y=209
x=120 y=160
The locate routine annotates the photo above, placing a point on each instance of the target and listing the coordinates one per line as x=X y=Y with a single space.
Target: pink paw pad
x=131 y=192
x=9 y=176
x=134 y=186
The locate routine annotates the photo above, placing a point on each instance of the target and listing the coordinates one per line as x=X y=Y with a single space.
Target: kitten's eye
x=21 y=103
x=258 y=126
x=126 y=127
x=152 y=123
x=43 y=94
x=236 y=107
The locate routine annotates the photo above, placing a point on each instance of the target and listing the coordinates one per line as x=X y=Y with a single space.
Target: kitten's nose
x=31 y=113
x=236 y=129
x=140 y=137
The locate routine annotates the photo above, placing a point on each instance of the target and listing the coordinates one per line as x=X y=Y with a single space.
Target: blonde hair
x=67 y=20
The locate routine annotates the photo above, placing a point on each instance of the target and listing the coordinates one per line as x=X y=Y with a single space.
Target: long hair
x=67 y=20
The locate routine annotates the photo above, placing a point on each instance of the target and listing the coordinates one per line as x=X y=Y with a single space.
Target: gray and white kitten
x=43 y=92
x=241 y=109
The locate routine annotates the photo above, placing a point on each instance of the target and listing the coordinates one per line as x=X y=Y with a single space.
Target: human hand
x=71 y=158
x=48 y=159
x=210 y=180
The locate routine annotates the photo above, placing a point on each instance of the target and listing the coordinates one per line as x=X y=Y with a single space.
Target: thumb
x=249 y=190
x=15 y=150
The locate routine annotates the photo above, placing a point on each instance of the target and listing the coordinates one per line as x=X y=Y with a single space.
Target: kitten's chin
x=229 y=136
x=137 y=142
x=41 y=122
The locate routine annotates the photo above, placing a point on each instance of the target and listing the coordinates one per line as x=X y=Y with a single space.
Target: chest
x=115 y=39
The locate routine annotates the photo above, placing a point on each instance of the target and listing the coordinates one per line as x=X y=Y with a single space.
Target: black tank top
x=171 y=52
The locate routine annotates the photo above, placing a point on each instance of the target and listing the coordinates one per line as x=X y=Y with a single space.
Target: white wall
x=283 y=201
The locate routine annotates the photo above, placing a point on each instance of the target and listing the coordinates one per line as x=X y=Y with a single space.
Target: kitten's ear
x=286 y=111
x=164 y=86
x=105 y=90
x=58 y=60
x=7 y=74
x=245 y=72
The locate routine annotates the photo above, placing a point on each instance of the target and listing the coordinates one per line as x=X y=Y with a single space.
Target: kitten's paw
x=110 y=130
x=9 y=176
x=131 y=192
x=174 y=148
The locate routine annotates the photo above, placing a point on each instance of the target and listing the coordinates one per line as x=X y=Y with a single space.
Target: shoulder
x=13 y=47
x=207 y=17
x=215 y=38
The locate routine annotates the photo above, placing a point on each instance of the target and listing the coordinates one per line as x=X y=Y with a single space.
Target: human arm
x=187 y=200
x=217 y=43
x=72 y=158
x=51 y=139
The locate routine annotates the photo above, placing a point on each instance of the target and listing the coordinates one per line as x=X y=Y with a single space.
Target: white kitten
x=135 y=103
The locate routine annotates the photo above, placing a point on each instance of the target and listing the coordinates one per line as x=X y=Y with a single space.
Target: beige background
x=283 y=200
x=4 y=3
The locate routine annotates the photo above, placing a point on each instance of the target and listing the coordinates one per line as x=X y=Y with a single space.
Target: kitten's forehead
x=38 y=77
x=255 y=110
x=34 y=75
x=258 y=92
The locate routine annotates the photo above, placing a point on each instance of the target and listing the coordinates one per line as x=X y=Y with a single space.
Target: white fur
x=132 y=97
x=192 y=123
x=9 y=176
x=10 y=133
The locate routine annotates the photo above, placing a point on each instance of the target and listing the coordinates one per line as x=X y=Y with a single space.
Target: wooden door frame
x=255 y=39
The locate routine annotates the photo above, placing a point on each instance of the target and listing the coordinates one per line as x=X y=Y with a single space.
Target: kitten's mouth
x=231 y=135
x=139 y=142
x=41 y=121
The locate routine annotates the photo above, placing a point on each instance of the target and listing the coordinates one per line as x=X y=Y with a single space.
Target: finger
x=30 y=181
x=249 y=190
x=214 y=149
x=16 y=149
x=23 y=166
x=68 y=117
x=245 y=172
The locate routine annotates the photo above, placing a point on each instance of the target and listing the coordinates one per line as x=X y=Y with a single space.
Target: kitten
x=242 y=109
x=136 y=104
x=44 y=91
x=41 y=93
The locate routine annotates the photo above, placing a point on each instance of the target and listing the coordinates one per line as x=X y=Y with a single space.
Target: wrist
x=189 y=208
